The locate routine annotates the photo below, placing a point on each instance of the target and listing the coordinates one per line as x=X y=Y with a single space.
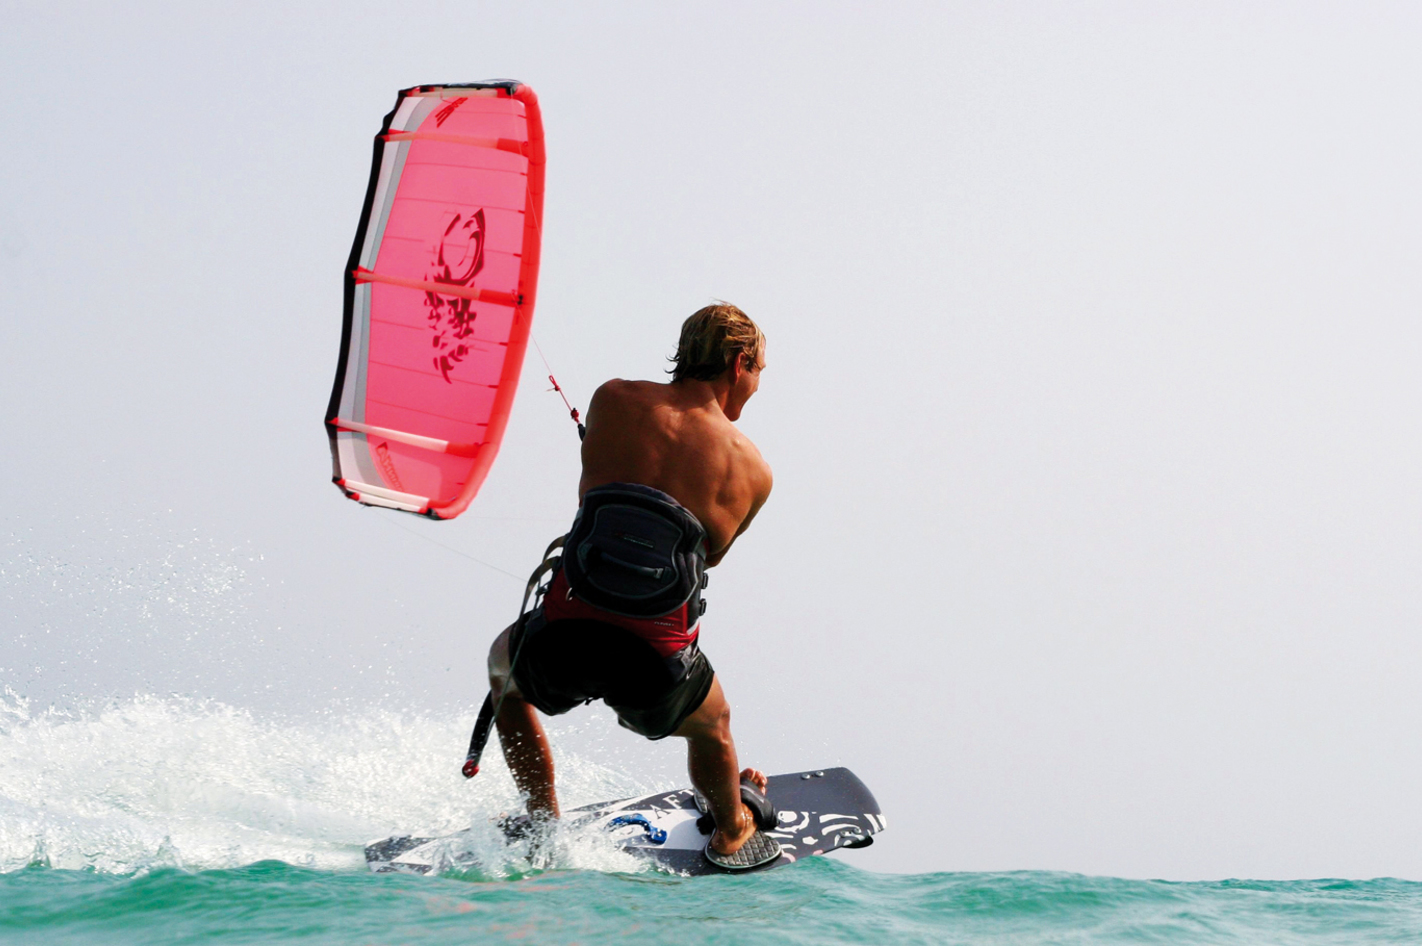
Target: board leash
x=489 y=712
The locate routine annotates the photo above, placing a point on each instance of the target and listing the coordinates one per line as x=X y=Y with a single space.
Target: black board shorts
x=564 y=663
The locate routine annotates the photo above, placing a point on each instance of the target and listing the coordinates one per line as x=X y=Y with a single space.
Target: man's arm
x=762 y=493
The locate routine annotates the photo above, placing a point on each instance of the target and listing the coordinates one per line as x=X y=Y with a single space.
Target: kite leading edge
x=439 y=296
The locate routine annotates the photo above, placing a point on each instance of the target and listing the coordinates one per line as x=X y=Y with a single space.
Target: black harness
x=637 y=552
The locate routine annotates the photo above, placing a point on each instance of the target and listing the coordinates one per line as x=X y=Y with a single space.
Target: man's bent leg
x=521 y=735
x=711 y=760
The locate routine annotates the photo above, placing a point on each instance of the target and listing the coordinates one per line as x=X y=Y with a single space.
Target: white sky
x=1092 y=396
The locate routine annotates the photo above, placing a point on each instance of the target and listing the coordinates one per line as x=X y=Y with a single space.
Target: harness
x=635 y=551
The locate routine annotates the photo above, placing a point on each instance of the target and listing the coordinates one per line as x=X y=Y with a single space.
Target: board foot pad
x=760 y=849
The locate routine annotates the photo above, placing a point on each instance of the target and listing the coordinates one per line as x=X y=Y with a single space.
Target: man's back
x=679 y=438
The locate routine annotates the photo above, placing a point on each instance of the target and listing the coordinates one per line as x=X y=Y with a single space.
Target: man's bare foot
x=729 y=840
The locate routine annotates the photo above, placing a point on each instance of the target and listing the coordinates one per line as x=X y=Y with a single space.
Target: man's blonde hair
x=710 y=341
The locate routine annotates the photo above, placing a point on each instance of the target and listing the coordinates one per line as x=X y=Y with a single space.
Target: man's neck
x=706 y=393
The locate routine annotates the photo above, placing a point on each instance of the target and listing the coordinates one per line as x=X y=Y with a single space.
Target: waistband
x=666 y=634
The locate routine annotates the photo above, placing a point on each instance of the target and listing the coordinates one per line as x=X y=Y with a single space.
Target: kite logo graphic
x=448 y=110
x=387 y=466
x=457 y=259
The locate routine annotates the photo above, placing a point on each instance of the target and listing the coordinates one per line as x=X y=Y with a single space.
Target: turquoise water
x=818 y=901
x=161 y=820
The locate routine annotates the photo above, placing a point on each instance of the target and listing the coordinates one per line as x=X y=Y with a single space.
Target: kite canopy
x=439 y=297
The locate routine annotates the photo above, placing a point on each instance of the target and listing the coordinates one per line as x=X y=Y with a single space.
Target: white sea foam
x=161 y=781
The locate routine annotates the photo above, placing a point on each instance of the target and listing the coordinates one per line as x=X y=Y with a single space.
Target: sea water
x=161 y=820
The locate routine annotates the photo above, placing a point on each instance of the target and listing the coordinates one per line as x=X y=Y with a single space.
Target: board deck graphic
x=819 y=810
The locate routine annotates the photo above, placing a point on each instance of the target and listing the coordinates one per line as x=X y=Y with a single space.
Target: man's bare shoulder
x=755 y=463
x=620 y=390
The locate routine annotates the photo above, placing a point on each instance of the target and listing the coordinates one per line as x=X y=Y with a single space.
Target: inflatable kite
x=439 y=297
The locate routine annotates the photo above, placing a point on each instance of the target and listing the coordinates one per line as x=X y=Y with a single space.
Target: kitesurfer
x=668 y=484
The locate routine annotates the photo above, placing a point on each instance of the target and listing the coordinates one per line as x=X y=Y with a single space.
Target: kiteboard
x=818 y=811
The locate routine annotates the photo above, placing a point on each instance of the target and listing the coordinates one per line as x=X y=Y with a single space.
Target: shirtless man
x=668 y=484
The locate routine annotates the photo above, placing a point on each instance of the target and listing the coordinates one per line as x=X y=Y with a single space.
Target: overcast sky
x=1092 y=394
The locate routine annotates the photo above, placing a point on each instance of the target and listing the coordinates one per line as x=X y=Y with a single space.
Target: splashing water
x=168 y=782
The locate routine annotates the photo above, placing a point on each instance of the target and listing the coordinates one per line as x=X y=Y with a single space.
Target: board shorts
x=568 y=661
